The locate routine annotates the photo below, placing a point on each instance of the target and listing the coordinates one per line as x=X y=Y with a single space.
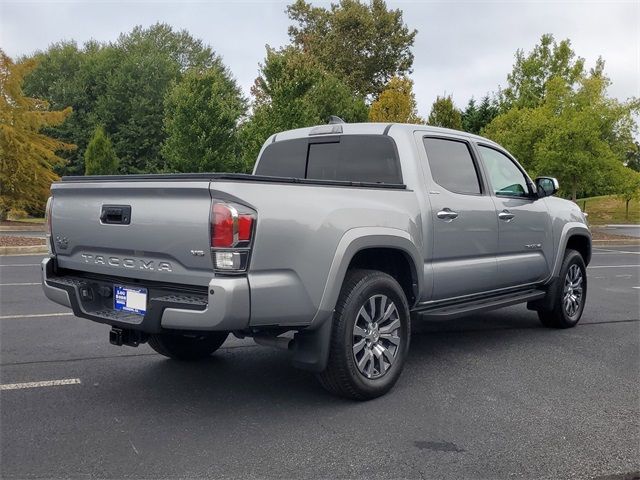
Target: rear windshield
x=355 y=158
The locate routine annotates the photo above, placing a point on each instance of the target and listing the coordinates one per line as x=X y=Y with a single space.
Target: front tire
x=187 y=347
x=570 y=293
x=370 y=336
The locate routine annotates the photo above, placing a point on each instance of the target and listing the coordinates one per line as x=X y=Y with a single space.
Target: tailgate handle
x=116 y=214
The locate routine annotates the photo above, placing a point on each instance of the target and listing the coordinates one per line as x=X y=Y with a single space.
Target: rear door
x=465 y=230
x=154 y=230
x=525 y=247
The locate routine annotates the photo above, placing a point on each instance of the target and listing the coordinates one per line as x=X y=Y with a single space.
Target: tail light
x=47 y=220
x=232 y=229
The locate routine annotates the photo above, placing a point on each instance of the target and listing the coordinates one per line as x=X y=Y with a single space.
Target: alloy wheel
x=376 y=336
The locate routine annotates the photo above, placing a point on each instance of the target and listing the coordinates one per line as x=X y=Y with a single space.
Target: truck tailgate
x=166 y=237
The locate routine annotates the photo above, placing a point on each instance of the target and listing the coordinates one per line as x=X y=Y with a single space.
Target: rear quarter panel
x=298 y=232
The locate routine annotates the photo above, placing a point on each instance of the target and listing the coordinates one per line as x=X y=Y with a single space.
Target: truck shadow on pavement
x=260 y=377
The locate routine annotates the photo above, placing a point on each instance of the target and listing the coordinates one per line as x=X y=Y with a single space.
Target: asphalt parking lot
x=494 y=396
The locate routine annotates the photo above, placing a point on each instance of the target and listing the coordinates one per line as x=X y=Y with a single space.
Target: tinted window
x=452 y=166
x=505 y=177
x=287 y=158
x=356 y=158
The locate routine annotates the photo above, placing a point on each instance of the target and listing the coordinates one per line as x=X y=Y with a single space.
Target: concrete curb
x=26 y=250
x=20 y=228
x=621 y=241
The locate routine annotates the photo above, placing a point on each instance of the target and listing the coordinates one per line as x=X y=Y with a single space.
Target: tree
x=475 y=118
x=633 y=157
x=578 y=135
x=27 y=156
x=120 y=85
x=363 y=45
x=202 y=112
x=293 y=90
x=629 y=187
x=445 y=114
x=531 y=73
x=396 y=103
x=99 y=157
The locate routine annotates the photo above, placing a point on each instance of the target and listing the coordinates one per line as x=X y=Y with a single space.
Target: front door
x=465 y=227
x=525 y=245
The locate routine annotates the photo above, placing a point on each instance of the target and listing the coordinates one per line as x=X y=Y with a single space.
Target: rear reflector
x=50 y=247
x=245 y=222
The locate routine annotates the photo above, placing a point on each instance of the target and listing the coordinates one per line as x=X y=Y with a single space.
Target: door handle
x=447 y=214
x=506 y=215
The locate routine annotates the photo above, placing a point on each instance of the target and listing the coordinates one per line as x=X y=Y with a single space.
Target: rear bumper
x=225 y=305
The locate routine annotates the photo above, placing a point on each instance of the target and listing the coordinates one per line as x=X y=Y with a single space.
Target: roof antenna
x=333 y=119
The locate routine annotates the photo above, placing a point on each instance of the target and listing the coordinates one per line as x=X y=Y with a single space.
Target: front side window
x=452 y=165
x=507 y=180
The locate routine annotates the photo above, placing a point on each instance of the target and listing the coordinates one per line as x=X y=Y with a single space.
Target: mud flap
x=311 y=347
x=548 y=301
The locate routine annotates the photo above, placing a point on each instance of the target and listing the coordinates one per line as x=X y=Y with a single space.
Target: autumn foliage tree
x=27 y=156
x=396 y=103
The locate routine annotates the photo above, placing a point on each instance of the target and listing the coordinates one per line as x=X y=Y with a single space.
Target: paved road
x=495 y=396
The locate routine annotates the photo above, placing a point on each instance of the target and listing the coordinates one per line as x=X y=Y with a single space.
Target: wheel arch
x=378 y=248
x=582 y=244
x=311 y=345
x=576 y=236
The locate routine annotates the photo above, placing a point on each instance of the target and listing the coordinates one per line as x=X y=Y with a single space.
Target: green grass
x=609 y=209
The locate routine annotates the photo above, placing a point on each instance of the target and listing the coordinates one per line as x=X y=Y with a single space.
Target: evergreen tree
x=99 y=157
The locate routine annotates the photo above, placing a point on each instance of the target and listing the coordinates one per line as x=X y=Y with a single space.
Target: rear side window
x=452 y=165
x=354 y=158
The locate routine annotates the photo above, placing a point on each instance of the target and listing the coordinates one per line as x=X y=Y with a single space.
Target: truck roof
x=373 y=129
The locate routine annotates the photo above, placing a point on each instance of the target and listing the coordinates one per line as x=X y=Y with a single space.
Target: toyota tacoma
x=343 y=235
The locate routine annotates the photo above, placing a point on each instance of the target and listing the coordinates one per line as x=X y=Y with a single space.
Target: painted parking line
x=19 y=284
x=614 y=266
x=46 y=383
x=36 y=315
x=22 y=265
x=606 y=251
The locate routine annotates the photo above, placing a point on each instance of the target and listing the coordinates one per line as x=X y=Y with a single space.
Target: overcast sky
x=463 y=48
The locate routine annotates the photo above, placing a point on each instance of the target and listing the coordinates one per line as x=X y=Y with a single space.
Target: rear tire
x=370 y=336
x=570 y=293
x=187 y=347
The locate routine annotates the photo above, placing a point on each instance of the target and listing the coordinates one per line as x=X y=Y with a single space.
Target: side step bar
x=460 y=309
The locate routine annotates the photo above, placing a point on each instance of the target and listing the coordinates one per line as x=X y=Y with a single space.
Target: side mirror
x=546 y=186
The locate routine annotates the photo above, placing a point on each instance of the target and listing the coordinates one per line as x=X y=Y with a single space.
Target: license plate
x=130 y=299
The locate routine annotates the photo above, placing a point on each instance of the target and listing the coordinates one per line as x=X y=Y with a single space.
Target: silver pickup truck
x=343 y=235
